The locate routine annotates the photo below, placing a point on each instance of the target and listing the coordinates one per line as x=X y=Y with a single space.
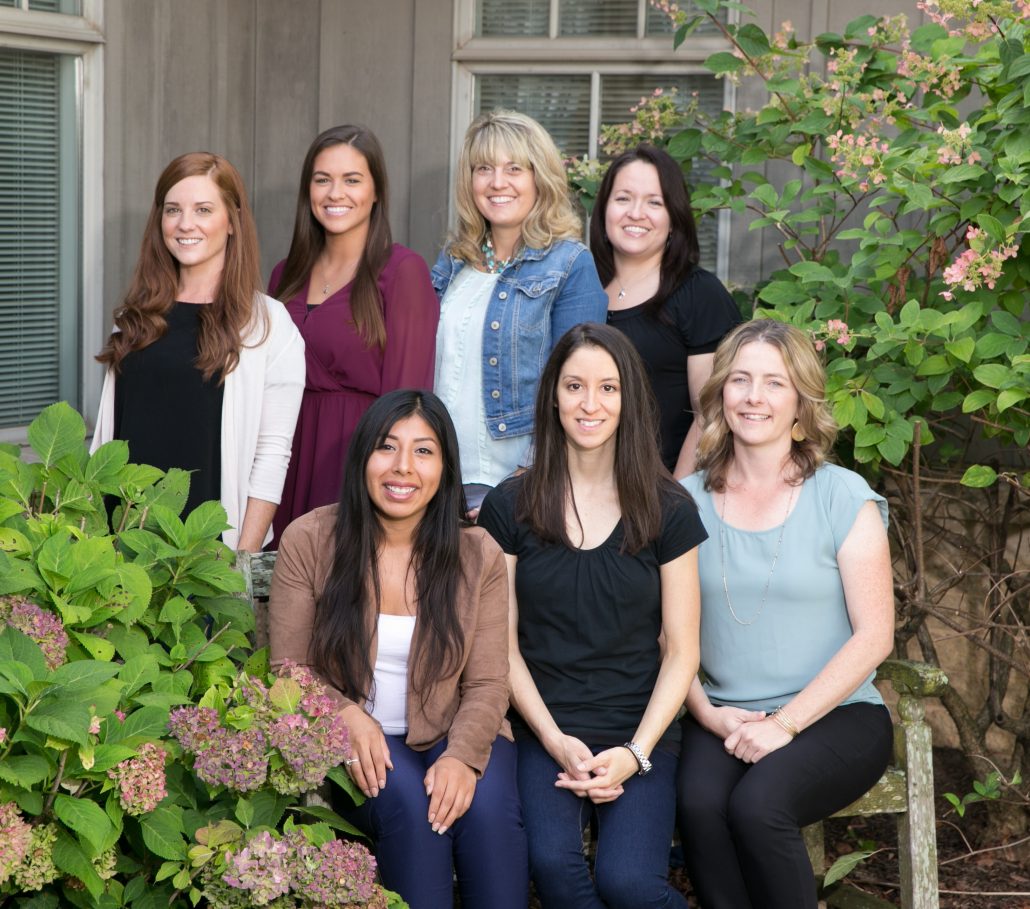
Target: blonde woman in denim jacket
x=514 y=278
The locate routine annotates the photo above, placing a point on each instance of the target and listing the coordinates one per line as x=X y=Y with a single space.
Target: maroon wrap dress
x=344 y=375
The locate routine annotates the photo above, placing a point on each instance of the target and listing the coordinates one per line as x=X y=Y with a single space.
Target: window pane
x=67 y=7
x=34 y=187
x=560 y=103
x=583 y=18
x=499 y=18
x=620 y=93
x=658 y=23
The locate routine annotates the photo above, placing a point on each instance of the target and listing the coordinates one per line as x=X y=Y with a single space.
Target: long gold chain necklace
x=772 y=568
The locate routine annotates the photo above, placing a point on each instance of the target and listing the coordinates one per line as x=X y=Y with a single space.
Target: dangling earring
x=797 y=433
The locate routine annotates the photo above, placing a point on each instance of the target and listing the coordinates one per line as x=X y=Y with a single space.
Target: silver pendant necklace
x=623 y=290
x=772 y=568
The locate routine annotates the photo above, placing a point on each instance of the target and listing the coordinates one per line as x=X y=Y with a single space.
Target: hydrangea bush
x=136 y=723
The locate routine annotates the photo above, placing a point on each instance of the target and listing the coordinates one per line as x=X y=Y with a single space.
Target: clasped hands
x=747 y=734
x=598 y=777
x=449 y=782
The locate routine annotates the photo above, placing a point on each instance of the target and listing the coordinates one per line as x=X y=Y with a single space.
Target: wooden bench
x=906 y=789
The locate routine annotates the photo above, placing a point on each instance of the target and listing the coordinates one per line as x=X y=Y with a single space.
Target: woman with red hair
x=204 y=372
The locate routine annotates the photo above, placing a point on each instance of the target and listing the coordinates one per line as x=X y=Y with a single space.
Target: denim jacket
x=537 y=298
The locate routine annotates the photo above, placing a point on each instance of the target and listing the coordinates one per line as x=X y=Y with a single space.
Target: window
x=49 y=220
x=577 y=64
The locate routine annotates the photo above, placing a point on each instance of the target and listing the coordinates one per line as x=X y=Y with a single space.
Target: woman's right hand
x=369 y=754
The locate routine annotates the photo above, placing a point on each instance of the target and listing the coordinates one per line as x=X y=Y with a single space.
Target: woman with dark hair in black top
x=601 y=546
x=644 y=241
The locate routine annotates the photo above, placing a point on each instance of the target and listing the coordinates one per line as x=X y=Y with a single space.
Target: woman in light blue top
x=529 y=279
x=796 y=613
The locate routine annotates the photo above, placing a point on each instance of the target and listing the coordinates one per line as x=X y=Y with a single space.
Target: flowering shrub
x=112 y=624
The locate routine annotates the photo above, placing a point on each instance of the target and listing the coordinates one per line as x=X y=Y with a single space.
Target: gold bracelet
x=783 y=720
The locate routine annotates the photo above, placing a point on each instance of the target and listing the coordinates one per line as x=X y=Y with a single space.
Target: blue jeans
x=486 y=846
x=631 y=868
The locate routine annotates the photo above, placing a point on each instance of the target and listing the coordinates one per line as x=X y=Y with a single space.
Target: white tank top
x=390 y=701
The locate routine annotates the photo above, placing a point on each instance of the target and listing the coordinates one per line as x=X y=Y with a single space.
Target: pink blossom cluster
x=300 y=745
x=15 y=836
x=654 y=117
x=3 y=735
x=980 y=17
x=859 y=158
x=835 y=329
x=37 y=868
x=929 y=75
x=672 y=10
x=290 y=872
x=978 y=266
x=957 y=145
x=43 y=627
x=141 y=780
x=888 y=30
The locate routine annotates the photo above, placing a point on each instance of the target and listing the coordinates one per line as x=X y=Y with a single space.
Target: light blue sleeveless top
x=762 y=666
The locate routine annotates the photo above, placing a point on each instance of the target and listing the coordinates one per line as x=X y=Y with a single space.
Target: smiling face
x=403 y=473
x=589 y=398
x=504 y=192
x=195 y=224
x=636 y=219
x=759 y=400
x=342 y=190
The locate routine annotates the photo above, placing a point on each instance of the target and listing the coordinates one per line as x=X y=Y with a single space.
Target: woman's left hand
x=608 y=770
x=754 y=740
x=450 y=785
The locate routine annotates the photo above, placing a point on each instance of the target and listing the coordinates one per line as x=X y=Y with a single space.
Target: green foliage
x=899 y=220
x=113 y=610
x=987 y=789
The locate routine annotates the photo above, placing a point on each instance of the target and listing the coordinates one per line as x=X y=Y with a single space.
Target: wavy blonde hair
x=503 y=135
x=806 y=372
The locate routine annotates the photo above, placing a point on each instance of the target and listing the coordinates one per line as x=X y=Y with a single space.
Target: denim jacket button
x=495 y=394
x=501 y=427
x=493 y=361
x=495 y=325
x=503 y=295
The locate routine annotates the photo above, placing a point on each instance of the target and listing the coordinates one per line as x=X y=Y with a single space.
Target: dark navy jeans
x=631 y=868
x=741 y=823
x=486 y=847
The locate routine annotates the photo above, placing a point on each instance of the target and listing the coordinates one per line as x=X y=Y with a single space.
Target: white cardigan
x=259 y=413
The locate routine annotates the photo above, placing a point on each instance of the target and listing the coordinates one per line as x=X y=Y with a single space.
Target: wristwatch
x=642 y=761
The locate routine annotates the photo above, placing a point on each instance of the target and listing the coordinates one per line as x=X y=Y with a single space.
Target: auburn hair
x=366 y=300
x=140 y=318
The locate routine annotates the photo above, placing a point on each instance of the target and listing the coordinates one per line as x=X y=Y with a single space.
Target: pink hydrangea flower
x=15 y=836
x=141 y=780
x=41 y=626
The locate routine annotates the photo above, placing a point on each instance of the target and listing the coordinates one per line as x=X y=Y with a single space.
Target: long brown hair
x=491 y=137
x=140 y=319
x=805 y=370
x=366 y=300
x=641 y=478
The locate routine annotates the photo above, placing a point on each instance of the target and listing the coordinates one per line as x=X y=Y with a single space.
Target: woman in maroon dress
x=364 y=304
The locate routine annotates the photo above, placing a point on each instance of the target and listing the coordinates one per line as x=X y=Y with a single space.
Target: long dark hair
x=341 y=637
x=140 y=319
x=682 y=253
x=366 y=300
x=641 y=478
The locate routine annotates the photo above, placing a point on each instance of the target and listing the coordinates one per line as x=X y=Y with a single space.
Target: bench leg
x=813 y=837
x=917 y=827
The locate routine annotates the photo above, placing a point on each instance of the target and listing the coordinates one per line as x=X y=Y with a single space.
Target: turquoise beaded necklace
x=493 y=264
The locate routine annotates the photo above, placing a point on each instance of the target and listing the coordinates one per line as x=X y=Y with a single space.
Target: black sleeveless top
x=165 y=410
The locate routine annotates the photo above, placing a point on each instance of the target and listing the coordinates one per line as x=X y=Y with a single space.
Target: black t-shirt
x=165 y=410
x=589 y=619
x=693 y=321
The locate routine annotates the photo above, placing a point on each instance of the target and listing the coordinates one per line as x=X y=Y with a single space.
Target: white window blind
x=39 y=219
x=578 y=18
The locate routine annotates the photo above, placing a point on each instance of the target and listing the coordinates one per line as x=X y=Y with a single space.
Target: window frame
x=474 y=56
x=82 y=38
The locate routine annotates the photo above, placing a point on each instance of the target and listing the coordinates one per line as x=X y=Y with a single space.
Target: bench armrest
x=909 y=677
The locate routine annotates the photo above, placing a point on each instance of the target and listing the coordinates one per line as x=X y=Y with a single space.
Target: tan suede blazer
x=468 y=708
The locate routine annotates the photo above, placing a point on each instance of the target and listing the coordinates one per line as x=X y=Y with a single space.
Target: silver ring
x=350 y=761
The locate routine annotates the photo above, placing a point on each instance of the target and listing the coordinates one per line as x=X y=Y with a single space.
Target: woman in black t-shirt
x=644 y=241
x=601 y=546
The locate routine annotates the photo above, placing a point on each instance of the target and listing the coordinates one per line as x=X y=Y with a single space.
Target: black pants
x=741 y=823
